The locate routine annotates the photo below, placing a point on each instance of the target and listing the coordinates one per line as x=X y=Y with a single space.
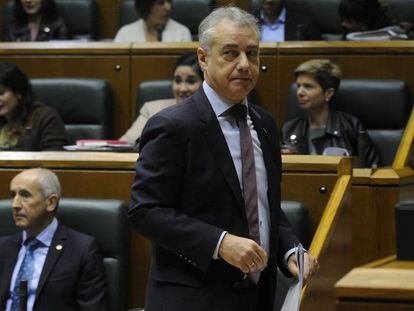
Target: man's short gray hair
x=48 y=181
x=241 y=18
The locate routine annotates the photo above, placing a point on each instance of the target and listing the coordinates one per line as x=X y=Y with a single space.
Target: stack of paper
x=292 y=301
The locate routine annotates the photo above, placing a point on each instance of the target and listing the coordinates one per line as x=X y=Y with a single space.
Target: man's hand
x=311 y=266
x=242 y=253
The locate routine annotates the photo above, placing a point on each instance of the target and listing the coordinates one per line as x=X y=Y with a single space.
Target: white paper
x=292 y=300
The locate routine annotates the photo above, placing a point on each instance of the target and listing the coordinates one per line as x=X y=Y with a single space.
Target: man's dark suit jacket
x=186 y=192
x=73 y=277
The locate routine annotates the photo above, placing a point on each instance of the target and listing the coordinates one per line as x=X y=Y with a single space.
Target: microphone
x=159 y=30
x=23 y=295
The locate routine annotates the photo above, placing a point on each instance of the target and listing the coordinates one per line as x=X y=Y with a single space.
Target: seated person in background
x=321 y=126
x=154 y=24
x=24 y=123
x=62 y=266
x=360 y=17
x=35 y=20
x=186 y=81
x=277 y=26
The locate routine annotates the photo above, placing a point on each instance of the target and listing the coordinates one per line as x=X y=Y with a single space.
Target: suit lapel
x=10 y=262
x=218 y=146
x=56 y=248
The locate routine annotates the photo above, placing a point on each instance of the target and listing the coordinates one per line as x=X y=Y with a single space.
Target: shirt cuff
x=290 y=252
x=216 y=251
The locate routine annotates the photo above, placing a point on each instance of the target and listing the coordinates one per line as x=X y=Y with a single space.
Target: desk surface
x=387 y=279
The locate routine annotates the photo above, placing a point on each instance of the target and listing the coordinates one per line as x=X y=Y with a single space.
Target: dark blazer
x=73 y=277
x=55 y=30
x=185 y=193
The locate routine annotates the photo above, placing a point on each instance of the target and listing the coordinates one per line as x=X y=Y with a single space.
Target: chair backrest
x=401 y=10
x=153 y=90
x=325 y=14
x=199 y=10
x=110 y=228
x=85 y=105
x=383 y=106
x=81 y=17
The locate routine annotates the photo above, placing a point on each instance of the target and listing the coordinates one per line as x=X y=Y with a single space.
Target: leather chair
x=401 y=10
x=298 y=217
x=199 y=10
x=153 y=90
x=383 y=106
x=114 y=244
x=81 y=17
x=325 y=14
x=85 y=105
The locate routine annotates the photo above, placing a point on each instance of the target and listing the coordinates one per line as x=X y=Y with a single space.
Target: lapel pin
x=59 y=247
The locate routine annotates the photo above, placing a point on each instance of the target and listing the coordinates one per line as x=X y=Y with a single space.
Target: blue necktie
x=25 y=271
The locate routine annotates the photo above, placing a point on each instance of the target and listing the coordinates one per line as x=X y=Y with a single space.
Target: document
x=292 y=300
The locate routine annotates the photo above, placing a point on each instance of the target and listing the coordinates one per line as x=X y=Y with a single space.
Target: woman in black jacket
x=323 y=130
x=35 y=20
x=24 y=123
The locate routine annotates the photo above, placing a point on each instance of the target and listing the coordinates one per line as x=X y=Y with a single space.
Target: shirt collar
x=218 y=103
x=280 y=20
x=46 y=235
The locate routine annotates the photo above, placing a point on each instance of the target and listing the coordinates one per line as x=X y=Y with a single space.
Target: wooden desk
x=383 y=285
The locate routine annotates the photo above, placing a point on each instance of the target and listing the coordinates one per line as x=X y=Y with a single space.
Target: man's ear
x=329 y=93
x=202 y=58
x=52 y=201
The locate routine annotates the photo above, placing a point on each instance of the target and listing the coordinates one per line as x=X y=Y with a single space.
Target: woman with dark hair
x=321 y=129
x=24 y=123
x=35 y=20
x=186 y=81
x=154 y=24
x=367 y=20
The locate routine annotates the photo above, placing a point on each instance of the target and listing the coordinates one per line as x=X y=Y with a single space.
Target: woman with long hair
x=26 y=124
x=35 y=20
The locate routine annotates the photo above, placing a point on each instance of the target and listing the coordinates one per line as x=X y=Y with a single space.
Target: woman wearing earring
x=26 y=124
x=35 y=20
x=154 y=24
x=322 y=127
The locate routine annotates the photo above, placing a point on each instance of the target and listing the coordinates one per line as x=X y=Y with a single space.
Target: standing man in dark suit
x=218 y=233
x=63 y=268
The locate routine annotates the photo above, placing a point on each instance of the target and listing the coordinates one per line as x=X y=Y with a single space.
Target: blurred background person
x=186 y=81
x=369 y=15
x=24 y=123
x=277 y=25
x=35 y=20
x=321 y=126
x=154 y=24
